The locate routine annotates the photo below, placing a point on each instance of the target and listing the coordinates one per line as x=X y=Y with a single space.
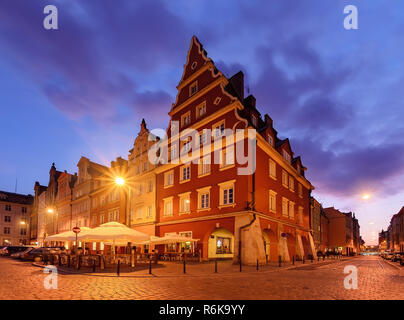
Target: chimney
x=237 y=82
x=250 y=101
x=268 y=120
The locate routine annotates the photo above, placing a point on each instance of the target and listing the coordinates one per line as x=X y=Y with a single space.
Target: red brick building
x=266 y=211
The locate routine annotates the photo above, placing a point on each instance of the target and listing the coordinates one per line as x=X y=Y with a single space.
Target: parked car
x=9 y=250
x=18 y=255
x=39 y=254
x=389 y=256
x=397 y=256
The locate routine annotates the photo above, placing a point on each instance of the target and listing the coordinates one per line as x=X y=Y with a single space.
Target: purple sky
x=83 y=89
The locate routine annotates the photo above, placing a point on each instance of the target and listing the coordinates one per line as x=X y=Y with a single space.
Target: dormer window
x=193 y=88
x=254 y=120
x=186 y=119
x=193 y=65
x=270 y=140
x=217 y=101
x=201 y=110
x=286 y=155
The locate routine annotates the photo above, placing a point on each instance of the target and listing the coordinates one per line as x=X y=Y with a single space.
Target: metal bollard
x=293 y=260
x=240 y=264
x=303 y=259
x=215 y=265
x=118 y=268
x=266 y=258
x=311 y=258
x=150 y=267
x=184 y=266
x=60 y=260
x=94 y=265
x=323 y=257
x=79 y=263
x=280 y=261
x=68 y=261
x=257 y=265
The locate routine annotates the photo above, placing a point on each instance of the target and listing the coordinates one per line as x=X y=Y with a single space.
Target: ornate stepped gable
x=201 y=70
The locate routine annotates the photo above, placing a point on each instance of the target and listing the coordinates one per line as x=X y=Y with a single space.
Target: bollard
x=240 y=264
x=323 y=257
x=79 y=263
x=311 y=259
x=184 y=267
x=280 y=261
x=257 y=264
x=68 y=261
x=303 y=260
x=118 y=268
x=293 y=260
x=60 y=260
x=318 y=258
x=150 y=267
x=266 y=258
x=94 y=265
x=215 y=265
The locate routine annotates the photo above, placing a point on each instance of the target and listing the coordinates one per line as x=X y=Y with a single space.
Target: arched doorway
x=221 y=244
x=270 y=244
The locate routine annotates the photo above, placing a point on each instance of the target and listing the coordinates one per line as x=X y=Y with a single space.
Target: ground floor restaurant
x=264 y=240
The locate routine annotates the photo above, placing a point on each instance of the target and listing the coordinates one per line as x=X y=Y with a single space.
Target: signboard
x=76 y=230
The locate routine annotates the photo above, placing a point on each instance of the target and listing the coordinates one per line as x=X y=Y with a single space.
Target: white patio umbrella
x=67 y=235
x=113 y=232
x=171 y=238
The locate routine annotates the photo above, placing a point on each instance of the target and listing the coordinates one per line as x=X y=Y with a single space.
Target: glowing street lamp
x=50 y=210
x=119 y=181
x=366 y=196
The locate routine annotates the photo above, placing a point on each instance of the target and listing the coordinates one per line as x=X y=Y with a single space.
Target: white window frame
x=201 y=106
x=186 y=115
x=285 y=207
x=218 y=125
x=188 y=168
x=167 y=181
x=193 y=85
x=291 y=183
x=184 y=203
x=227 y=185
x=203 y=192
x=166 y=201
x=285 y=179
x=272 y=201
x=272 y=169
x=204 y=166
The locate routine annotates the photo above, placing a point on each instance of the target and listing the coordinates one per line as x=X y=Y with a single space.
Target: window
x=140 y=189
x=7 y=218
x=150 y=186
x=95 y=203
x=223 y=245
x=285 y=179
x=185 y=173
x=218 y=129
x=111 y=197
x=102 y=200
x=94 y=220
x=186 y=146
x=116 y=212
x=201 y=110
x=291 y=184
x=202 y=138
x=227 y=193
x=254 y=120
x=24 y=209
x=286 y=155
x=169 y=178
x=193 y=88
x=102 y=219
x=204 y=198
x=284 y=207
x=23 y=232
x=300 y=190
x=272 y=201
x=204 y=166
x=291 y=210
x=186 y=119
x=186 y=246
x=117 y=195
x=185 y=202
x=300 y=215
x=193 y=65
x=217 y=101
x=227 y=157
x=6 y=230
x=272 y=169
x=168 y=206
x=145 y=166
x=149 y=212
x=270 y=140
x=111 y=216
x=139 y=214
x=8 y=207
x=173 y=152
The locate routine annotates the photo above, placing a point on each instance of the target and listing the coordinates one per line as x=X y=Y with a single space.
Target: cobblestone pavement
x=376 y=280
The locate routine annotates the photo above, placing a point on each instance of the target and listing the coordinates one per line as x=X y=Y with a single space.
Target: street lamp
x=52 y=211
x=366 y=196
x=119 y=181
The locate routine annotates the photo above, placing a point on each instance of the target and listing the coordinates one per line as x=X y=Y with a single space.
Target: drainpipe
x=253 y=209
